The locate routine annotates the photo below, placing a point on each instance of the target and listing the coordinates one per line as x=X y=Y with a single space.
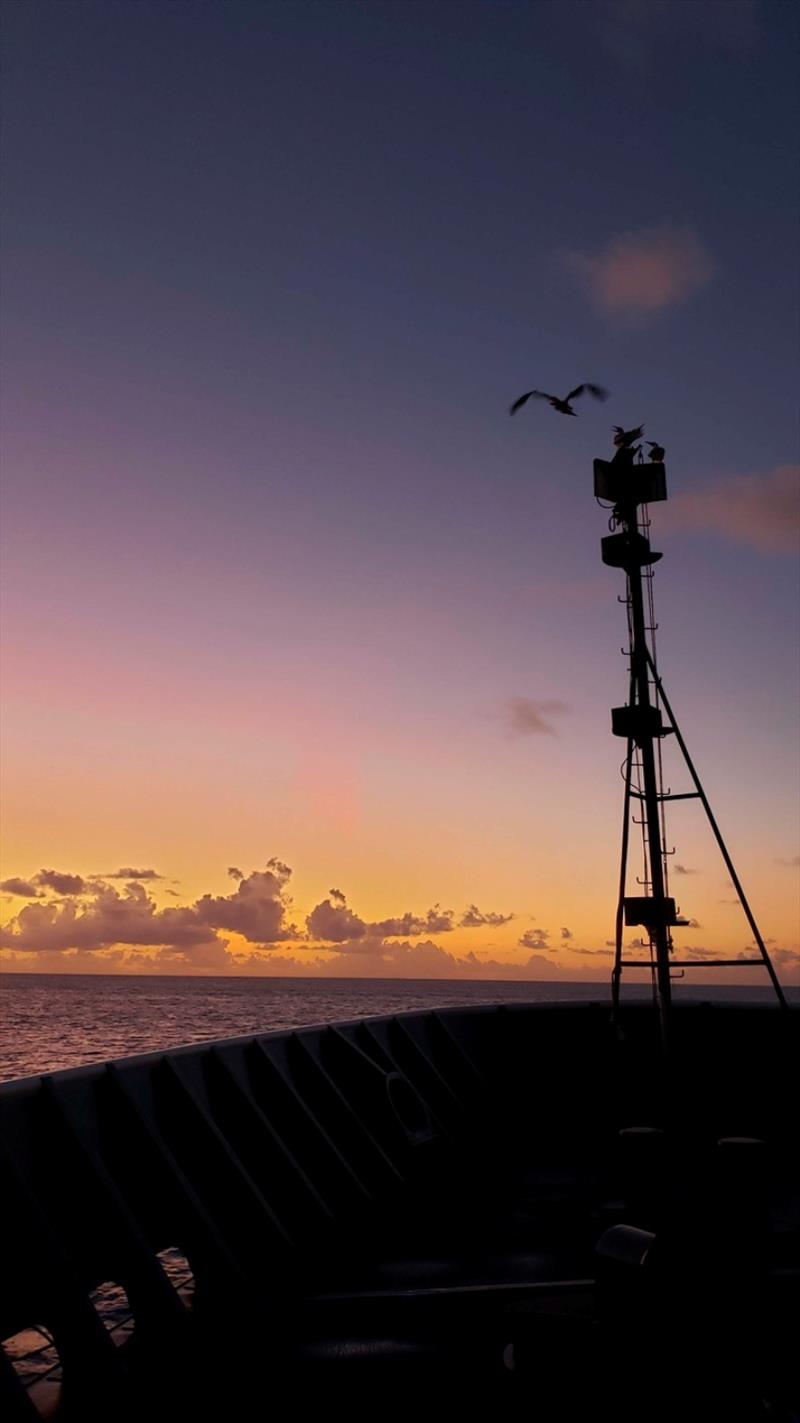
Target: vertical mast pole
x=640 y=673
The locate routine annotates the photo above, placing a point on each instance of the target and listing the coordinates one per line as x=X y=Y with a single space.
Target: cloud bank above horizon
x=97 y=927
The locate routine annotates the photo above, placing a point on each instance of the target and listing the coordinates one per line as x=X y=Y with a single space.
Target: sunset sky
x=308 y=648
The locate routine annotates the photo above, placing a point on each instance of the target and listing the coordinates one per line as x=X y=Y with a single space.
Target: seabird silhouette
x=623 y=439
x=562 y=406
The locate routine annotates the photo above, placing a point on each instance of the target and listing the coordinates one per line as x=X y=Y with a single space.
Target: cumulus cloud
x=760 y=510
x=105 y=917
x=127 y=873
x=435 y=921
x=333 y=922
x=525 y=717
x=234 y=872
x=21 y=887
x=643 y=273
x=535 y=939
x=473 y=918
x=256 y=909
x=60 y=882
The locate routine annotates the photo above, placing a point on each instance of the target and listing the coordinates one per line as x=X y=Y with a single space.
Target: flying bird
x=623 y=439
x=562 y=406
x=657 y=452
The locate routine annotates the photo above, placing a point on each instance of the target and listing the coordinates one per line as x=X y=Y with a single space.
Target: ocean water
x=50 y=1021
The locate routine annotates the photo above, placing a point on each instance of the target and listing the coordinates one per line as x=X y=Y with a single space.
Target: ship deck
x=517 y=1208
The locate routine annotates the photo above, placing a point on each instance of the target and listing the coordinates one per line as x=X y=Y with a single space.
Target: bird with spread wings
x=562 y=406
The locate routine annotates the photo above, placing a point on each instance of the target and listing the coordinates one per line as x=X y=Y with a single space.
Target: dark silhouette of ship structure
x=553 y=1211
x=630 y=486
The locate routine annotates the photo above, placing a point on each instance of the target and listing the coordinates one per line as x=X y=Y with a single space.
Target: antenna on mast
x=631 y=487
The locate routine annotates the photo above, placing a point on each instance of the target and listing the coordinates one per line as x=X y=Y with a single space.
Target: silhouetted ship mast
x=630 y=487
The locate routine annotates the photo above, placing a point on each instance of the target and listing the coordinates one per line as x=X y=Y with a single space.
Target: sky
x=308 y=649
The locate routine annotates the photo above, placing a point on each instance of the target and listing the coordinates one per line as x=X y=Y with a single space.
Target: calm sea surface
x=48 y=1021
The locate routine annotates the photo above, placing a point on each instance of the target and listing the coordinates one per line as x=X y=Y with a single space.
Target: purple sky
x=277 y=561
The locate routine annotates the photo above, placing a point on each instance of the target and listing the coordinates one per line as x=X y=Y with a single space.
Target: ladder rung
x=668 y=795
x=694 y=963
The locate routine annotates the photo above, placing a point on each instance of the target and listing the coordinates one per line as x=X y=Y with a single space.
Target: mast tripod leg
x=718 y=836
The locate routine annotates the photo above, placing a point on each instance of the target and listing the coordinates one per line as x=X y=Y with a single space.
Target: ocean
x=50 y=1021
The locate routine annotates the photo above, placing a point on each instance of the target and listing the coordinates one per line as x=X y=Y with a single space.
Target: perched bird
x=623 y=439
x=562 y=406
x=657 y=452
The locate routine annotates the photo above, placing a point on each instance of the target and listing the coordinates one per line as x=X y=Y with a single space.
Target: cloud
x=684 y=870
x=535 y=939
x=234 y=872
x=332 y=921
x=643 y=273
x=21 y=887
x=602 y=953
x=566 y=935
x=525 y=717
x=760 y=510
x=60 y=882
x=473 y=918
x=643 y=34
x=256 y=909
x=105 y=917
x=436 y=921
x=134 y=874
x=787 y=864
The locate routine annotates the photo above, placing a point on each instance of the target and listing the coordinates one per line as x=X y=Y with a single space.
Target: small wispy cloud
x=535 y=939
x=130 y=873
x=526 y=717
x=698 y=953
x=643 y=273
x=21 y=887
x=762 y=510
x=791 y=864
x=474 y=918
x=637 y=33
x=60 y=882
x=684 y=870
